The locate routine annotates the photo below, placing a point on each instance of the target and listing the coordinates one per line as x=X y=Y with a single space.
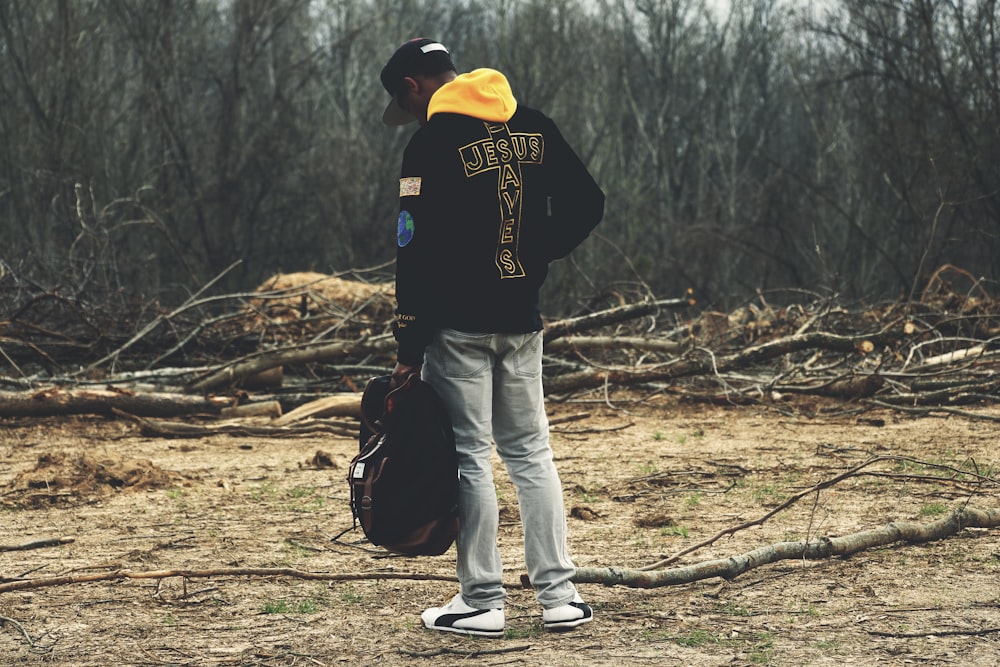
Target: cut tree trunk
x=346 y=404
x=55 y=401
x=235 y=373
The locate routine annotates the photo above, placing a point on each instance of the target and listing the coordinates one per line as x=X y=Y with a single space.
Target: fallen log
x=55 y=401
x=259 y=409
x=160 y=428
x=615 y=342
x=241 y=369
x=629 y=311
x=346 y=404
x=849 y=388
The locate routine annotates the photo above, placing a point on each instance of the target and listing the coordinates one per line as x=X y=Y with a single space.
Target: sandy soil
x=642 y=481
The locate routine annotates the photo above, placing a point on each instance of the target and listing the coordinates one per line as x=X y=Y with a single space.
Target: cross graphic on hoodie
x=505 y=152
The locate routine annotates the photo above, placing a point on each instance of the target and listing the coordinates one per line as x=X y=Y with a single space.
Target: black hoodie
x=490 y=193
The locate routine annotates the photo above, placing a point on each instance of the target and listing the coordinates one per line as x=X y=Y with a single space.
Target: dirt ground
x=642 y=480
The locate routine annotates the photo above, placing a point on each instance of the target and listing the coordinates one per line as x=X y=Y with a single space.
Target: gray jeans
x=492 y=385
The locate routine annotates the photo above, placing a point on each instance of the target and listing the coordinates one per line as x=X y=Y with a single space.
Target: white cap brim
x=395 y=115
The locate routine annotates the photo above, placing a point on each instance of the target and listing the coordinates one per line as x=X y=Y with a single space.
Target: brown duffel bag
x=404 y=480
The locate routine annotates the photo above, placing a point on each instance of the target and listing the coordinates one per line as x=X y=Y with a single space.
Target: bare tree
x=146 y=148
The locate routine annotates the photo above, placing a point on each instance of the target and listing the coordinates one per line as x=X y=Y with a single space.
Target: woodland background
x=824 y=177
x=847 y=149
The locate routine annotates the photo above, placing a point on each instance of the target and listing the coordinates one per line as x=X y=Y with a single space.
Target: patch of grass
x=532 y=631
x=350 y=596
x=934 y=509
x=732 y=609
x=302 y=491
x=693 y=500
x=647 y=468
x=180 y=496
x=697 y=433
x=695 y=638
x=674 y=530
x=298 y=550
x=305 y=499
x=766 y=493
x=307 y=606
x=759 y=645
x=658 y=435
x=295 y=499
x=792 y=478
x=275 y=607
x=264 y=492
x=762 y=649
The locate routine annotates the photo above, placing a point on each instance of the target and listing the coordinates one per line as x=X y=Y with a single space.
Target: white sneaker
x=456 y=616
x=568 y=616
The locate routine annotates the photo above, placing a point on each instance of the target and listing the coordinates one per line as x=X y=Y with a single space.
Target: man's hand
x=400 y=373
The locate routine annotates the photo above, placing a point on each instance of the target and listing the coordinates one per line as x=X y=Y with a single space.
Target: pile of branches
x=941 y=350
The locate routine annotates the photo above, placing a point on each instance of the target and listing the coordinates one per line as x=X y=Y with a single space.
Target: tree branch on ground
x=822 y=548
x=816 y=488
x=727 y=568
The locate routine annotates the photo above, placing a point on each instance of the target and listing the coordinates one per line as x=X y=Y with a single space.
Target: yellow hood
x=482 y=93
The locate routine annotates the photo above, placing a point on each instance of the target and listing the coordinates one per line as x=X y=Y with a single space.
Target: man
x=490 y=193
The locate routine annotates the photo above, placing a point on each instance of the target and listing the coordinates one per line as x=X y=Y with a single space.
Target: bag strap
x=380 y=422
x=411 y=380
x=366 y=503
x=370 y=388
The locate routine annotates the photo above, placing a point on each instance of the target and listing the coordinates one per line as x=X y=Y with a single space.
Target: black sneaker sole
x=466 y=631
x=570 y=623
x=567 y=625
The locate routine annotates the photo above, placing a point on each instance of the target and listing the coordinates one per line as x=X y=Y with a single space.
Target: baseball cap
x=419 y=56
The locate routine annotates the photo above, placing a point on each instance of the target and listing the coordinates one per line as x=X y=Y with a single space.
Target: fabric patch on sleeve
x=409 y=187
x=404 y=229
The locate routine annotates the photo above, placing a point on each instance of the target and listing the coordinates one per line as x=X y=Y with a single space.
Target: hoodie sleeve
x=576 y=201
x=415 y=252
